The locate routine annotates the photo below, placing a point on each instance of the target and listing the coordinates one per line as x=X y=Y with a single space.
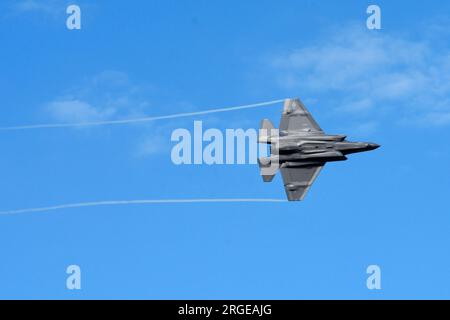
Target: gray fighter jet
x=300 y=149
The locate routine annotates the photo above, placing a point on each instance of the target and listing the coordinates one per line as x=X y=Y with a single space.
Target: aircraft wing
x=296 y=118
x=298 y=180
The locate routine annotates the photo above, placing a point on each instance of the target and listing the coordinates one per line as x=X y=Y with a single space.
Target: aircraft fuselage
x=297 y=150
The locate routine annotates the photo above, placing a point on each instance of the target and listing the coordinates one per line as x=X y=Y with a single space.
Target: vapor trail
x=144 y=119
x=137 y=202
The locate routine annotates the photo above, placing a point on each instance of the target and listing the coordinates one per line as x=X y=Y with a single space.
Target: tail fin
x=264 y=132
x=268 y=165
x=267 y=170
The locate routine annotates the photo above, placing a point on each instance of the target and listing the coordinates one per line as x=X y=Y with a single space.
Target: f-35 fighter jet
x=300 y=149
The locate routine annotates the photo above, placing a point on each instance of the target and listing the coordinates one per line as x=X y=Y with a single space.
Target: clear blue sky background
x=388 y=207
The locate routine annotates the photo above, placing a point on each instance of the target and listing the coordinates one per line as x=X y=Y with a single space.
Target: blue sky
x=387 y=207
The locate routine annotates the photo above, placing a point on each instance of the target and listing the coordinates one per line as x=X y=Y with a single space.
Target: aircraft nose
x=372 y=146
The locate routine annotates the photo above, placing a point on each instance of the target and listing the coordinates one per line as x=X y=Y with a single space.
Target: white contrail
x=144 y=119
x=138 y=202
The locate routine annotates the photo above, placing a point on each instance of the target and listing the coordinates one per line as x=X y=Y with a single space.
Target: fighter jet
x=300 y=149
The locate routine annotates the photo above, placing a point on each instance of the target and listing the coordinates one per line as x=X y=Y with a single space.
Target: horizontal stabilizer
x=267 y=170
x=265 y=131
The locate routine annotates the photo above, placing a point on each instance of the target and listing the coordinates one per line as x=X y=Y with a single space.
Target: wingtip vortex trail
x=139 y=202
x=137 y=120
